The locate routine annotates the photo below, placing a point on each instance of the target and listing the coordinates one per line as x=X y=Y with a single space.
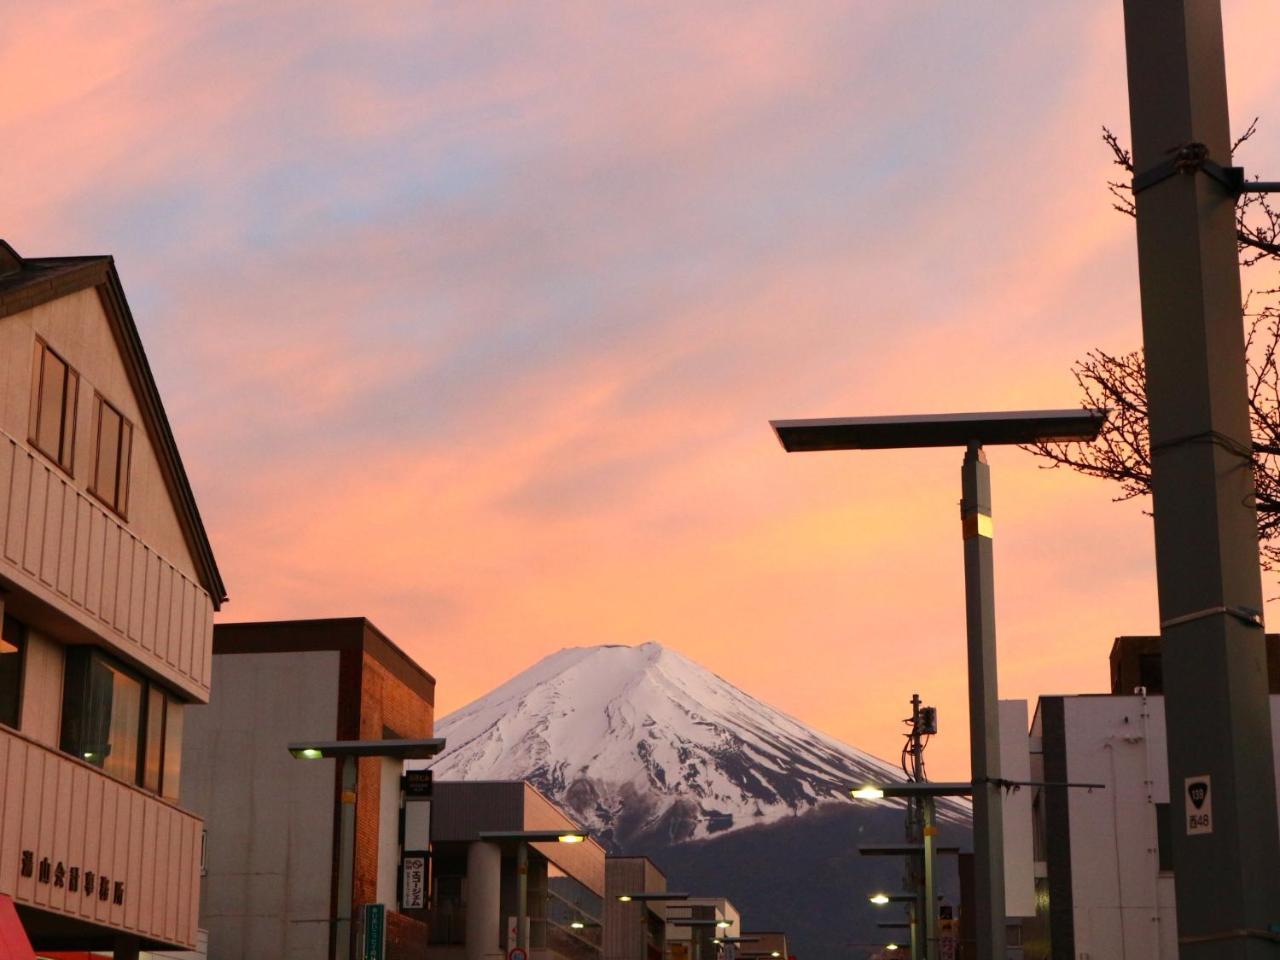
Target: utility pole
x=922 y=829
x=1226 y=845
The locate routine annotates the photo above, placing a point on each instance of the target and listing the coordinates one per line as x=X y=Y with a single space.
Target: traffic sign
x=517 y=953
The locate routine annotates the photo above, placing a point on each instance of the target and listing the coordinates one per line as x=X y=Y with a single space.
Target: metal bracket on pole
x=1246 y=615
x=1192 y=157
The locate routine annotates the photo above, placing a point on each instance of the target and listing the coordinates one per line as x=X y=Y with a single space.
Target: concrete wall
x=43 y=671
x=270 y=817
x=1015 y=764
x=1122 y=904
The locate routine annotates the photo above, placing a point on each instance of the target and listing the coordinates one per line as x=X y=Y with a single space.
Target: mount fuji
x=644 y=746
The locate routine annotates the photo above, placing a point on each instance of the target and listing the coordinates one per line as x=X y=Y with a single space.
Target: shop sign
x=71 y=878
x=375 y=931
x=415 y=882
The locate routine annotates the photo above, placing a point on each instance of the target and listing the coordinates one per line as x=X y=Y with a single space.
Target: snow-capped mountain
x=643 y=742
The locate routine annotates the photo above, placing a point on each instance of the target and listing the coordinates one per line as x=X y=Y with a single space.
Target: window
x=55 y=388
x=12 y=643
x=114 y=720
x=111 y=459
x=102 y=714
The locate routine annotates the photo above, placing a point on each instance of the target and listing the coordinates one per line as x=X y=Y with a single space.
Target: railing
x=81 y=844
x=63 y=546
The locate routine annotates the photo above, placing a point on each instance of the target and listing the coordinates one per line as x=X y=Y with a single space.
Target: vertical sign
x=414 y=887
x=1199 y=805
x=375 y=931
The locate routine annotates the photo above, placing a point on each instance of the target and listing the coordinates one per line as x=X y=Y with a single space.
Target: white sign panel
x=415 y=882
x=1199 y=805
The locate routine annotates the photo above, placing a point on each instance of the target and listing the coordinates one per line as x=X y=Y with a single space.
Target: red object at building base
x=14 y=944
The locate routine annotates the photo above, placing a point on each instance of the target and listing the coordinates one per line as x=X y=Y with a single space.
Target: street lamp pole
x=347 y=752
x=984 y=706
x=1227 y=860
x=972 y=431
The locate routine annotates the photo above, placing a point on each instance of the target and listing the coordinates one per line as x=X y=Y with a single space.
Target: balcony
x=62 y=546
x=85 y=847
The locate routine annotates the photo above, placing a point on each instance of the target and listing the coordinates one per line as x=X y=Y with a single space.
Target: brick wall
x=406 y=937
x=386 y=703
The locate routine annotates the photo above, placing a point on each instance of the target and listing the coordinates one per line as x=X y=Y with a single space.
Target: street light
x=972 y=431
x=651 y=897
x=522 y=839
x=346 y=752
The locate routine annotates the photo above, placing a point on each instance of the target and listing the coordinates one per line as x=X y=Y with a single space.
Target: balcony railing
x=63 y=546
x=78 y=843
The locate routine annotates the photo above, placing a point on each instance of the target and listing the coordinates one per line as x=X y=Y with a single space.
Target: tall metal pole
x=931 y=943
x=1227 y=860
x=346 y=858
x=984 y=719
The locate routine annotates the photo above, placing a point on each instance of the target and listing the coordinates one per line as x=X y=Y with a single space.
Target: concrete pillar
x=484 y=900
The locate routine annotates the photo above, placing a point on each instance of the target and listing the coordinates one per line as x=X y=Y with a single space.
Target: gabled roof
x=27 y=282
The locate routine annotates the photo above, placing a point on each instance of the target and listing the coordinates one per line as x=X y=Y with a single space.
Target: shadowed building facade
x=274 y=822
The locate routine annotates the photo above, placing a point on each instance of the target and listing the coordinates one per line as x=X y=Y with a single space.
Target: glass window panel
x=126 y=452
x=172 y=749
x=53 y=381
x=104 y=477
x=12 y=641
x=155 y=739
x=102 y=714
x=67 y=449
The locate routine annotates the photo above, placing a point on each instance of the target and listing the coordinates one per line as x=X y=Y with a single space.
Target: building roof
x=27 y=282
x=332 y=633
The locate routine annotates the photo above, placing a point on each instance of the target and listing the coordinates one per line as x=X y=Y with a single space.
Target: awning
x=14 y=944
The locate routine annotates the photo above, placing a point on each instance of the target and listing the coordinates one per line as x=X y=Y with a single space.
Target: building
x=1105 y=884
x=477 y=852
x=762 y=945
x=271 y=885
x=634 y=928
x=695 y=925
x=109 y=587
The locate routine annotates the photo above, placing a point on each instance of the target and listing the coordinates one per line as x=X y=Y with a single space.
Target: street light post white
x=346 y=752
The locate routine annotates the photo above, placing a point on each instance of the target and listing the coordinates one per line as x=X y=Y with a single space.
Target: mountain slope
x=641 y=742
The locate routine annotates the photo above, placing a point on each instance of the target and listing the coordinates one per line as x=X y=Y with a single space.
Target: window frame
x=65 y=458
x=119 y=503
x=168 y=699
x=22 y=665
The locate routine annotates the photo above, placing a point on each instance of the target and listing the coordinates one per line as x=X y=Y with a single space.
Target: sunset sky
x=470 y=317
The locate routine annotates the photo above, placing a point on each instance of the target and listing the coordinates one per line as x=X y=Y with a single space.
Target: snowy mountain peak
x=641 y=741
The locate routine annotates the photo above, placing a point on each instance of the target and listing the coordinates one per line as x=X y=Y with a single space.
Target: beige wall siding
x=42 y=675
x=57 y=542
x=76 y=327
x=74 y=815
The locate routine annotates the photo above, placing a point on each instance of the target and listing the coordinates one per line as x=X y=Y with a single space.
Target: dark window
x=102 y=714
x=112 y=456
x=13 y=640
x=55 y=387
x=1164 y=840
x=113 y=719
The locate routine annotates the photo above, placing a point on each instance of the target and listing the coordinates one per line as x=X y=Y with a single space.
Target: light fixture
x=578 y=925
x=535 y=836
x=571 y=838
x=624 y=899
x=891 y=947
x=310 y=753
x=879 y=899
x=724 y=924
x=776 y=953
x=867 y=793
